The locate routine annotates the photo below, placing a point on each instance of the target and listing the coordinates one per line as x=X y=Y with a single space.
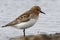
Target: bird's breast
x=27 y=24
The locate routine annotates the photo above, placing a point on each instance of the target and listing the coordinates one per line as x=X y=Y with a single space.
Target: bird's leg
x=24 y=32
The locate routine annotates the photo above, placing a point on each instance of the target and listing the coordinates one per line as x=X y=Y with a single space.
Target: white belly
x=28 y=24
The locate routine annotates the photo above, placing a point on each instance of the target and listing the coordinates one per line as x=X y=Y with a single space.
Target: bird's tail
x=4 y=26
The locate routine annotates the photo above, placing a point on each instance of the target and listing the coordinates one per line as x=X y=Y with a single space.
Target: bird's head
x=37 y=9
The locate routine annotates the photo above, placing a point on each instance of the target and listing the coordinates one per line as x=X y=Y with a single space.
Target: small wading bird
x=27 y=19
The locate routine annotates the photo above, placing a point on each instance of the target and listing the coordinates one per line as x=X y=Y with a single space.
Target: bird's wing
x=23 y=18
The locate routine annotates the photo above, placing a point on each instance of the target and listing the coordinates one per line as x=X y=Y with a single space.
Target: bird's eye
x=38 y=9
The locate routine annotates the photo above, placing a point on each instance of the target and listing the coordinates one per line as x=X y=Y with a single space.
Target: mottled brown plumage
x=19 y=19
x=32 y=13
x=27 y=19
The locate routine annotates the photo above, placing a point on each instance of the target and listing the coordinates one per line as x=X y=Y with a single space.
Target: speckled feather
x=31 y=14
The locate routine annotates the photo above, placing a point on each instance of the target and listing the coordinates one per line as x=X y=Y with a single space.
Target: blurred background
x=11 y=9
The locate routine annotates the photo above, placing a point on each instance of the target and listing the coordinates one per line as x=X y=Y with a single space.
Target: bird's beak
x=42 y=12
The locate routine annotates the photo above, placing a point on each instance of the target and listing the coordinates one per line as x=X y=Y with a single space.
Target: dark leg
x=24 y=32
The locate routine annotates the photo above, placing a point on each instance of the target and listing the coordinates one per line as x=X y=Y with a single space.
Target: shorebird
x=27 y=19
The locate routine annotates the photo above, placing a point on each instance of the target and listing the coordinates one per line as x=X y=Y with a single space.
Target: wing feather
x=22 y=18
